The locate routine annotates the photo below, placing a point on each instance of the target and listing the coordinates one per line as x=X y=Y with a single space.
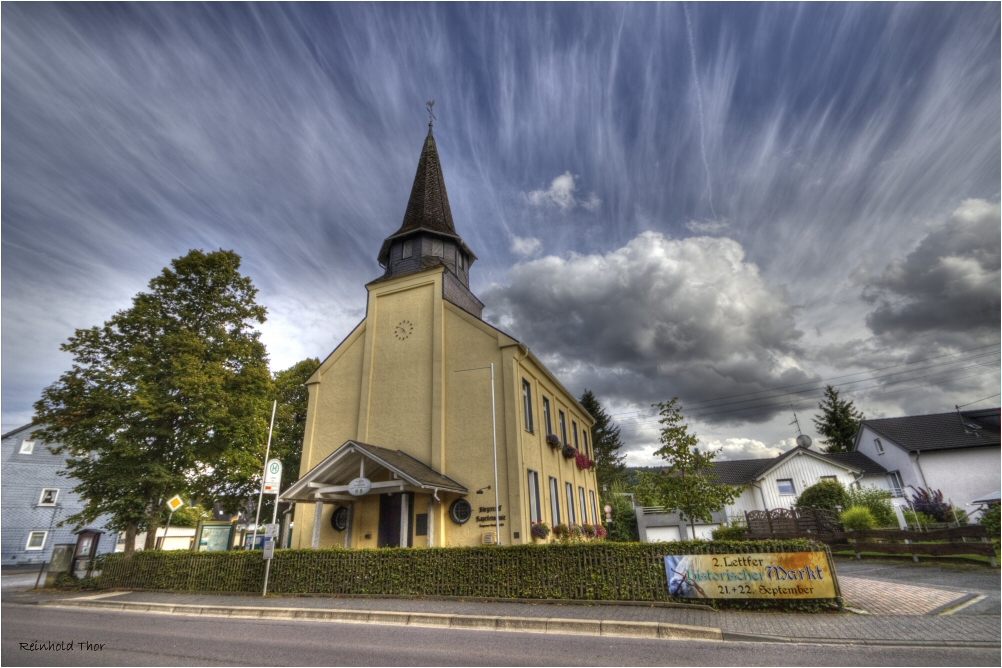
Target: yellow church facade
x=407 y=442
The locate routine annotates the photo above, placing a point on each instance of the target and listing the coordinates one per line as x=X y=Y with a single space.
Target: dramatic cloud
x=948 y=285
x=656 y=318
x=526 y=246
x=561 y=194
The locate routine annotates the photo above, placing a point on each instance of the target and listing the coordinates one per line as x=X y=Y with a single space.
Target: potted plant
x=540 y=530
x=600 y=531
x=561 y=531
x=581 y=459
x=576 y=532
x=589 y=530
x=569 y=451
x=553 y=441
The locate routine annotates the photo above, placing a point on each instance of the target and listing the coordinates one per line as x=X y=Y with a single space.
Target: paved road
x=138 y=639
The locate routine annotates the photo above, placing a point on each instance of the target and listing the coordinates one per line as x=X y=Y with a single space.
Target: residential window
x=36 y=540
x=554 y=501
x=897 y=487
x=563 y=427
x=786 y=486
x=535 y=512
x=879 y=446
x=407 y=250
x=572 y=516
x=584 y=505
x=27 y=447
x=594 y=506
x=829 y=477
x=574 y=430
x=48 y=497
x=546 y=416
x=584 y=435
x=527 y=404
x=437 y=248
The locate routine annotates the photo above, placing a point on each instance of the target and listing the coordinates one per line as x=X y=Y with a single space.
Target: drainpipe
x=918 y=453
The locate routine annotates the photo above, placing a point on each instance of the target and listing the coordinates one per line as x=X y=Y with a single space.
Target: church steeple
x=427 y=237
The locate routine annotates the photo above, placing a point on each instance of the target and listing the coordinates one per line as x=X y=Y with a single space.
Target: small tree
x=827 y=494
x=838 y=422
x=686 y=484
x=606 y=443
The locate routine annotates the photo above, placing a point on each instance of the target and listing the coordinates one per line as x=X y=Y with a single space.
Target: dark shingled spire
x=428 y=207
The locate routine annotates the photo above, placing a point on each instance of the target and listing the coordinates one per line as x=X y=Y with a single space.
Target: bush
x=917 y=520
x=731 y=532
x=826 y=494
x=876 y=500
x=931 y=503
x=990 y=520
x=540 y=530
x=623 y=528
x=857 y=519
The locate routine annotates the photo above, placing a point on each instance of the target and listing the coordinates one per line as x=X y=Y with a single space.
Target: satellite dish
x=804 y=441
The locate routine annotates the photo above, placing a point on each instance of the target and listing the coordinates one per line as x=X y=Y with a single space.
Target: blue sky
x=701 y=200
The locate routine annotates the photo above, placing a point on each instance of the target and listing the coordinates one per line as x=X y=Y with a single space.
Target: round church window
x=460 y=511
x=339 y=519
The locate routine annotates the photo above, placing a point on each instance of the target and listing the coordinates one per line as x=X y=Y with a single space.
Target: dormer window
x=408 y=249
x=27 y=447
x=880 y=446
x=459 y=259
x=437 y=248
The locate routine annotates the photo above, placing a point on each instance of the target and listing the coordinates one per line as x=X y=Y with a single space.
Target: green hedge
x=602 y=571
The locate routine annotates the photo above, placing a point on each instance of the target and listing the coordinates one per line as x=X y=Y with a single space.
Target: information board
x=761 y=575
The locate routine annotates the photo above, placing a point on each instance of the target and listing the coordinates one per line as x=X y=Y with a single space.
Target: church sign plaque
x=359 y=486
x=777 y=575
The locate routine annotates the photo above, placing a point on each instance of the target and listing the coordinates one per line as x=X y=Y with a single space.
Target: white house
x=957 y=453
x=776 y=482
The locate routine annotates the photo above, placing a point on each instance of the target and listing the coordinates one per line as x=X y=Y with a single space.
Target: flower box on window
x=540 y=530
x=581 y=459
x=553 y=441
x=569 y=451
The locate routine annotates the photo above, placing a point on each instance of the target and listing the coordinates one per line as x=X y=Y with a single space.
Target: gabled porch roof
x=328 y=480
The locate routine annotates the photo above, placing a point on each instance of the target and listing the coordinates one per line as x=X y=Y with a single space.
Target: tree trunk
x=152 y=523
x=130 y=539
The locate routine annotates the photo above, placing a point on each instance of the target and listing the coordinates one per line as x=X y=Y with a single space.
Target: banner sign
x=777 y=575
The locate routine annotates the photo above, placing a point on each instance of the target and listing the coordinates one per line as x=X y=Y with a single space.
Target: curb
x=471 y=622
x=735 y=636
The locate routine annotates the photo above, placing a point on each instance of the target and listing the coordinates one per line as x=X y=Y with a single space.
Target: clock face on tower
x=403 y=330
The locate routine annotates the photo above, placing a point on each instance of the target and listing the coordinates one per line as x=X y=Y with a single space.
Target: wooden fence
x=792 y=521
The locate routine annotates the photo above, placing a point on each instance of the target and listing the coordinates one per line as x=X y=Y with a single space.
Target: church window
x=554 y=501
x=527 y=404
x=594 y=506
x=437 y=248
x=584 y=505
x=571 y=513
x=459 y=259
x=408 y=249
x=563 y=428
x=546 y=416
x=574 y=429
x=584 y=435
x=535 y=512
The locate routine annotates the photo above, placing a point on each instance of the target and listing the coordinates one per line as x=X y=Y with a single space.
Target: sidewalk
x=980 y=631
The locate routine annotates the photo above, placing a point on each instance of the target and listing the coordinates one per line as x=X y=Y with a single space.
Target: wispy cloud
x=526 y=246
x=560 y=194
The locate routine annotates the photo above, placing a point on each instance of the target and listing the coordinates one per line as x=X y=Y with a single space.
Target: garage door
x=705 y=531
x=663 y=534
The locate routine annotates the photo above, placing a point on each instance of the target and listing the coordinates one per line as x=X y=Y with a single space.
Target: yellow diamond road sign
x=175 y=503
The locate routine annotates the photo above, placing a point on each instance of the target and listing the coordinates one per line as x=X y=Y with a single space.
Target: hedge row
x=603 y=571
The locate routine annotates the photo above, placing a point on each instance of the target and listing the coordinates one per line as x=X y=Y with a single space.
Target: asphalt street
x=138 y=639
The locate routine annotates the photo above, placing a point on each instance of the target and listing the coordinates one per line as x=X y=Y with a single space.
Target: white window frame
x=572 y=515
x=27 y=447
x=535 y=511
x=879 y=446
x=45 y=537
x=584 y=504
x=527 y=405
x=897 y=490
x=792 y=485
x=563 y=427
x=55 y=498
x=828 y=477
x=554 y=500
x=438 y=248
x=407 y=250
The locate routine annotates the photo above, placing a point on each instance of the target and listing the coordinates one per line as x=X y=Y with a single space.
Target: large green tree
x=169 y=396
x=609 y=466
x=838 y=422
x=686 y=484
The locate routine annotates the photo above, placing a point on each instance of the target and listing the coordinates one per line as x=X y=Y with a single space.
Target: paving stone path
x=890 y=598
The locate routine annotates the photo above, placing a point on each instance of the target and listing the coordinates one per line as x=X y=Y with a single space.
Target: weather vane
x=431 y=114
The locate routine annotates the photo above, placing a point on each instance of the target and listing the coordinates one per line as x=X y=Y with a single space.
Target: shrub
x=931 y=503
x=730 y=533
x=858 y=519
x=623 y=527
x=825 y=494
x=990 y=520
x=568 y=451
x=540 y=530
x=876 y=500
x=913 y=519
x=561 y=531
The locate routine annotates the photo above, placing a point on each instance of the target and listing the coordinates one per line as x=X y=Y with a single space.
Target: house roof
x=19 y=429
x=858 y=460
x=428 y=207
x=744 y=471
x=940 y=431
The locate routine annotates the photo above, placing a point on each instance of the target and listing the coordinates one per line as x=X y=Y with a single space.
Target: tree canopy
x=168 y=396
x=686 y=485
x=838 y=422
x=609 y=466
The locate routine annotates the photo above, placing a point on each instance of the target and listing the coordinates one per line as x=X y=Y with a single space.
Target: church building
x=407 y=442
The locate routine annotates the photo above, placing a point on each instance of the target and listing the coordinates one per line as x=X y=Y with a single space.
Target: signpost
x=269 y=554
x=267 y=452
x=175 y=502
x=273 y=477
